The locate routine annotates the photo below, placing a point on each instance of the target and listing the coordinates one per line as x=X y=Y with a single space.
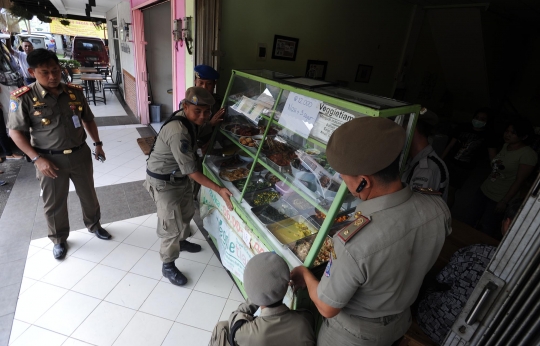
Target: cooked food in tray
x=268 y=214
x=258 y=167
x=242 y=129
x=248 y=142
x=253 y=185
x=265 y=197
x=302 y=247
x=232 y=162
x=272 y=178
x=271 y=132
x=290 y=230
x=320 y=216
x=234 y=174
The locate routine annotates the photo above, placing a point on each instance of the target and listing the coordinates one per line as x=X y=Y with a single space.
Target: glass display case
x=271 y=156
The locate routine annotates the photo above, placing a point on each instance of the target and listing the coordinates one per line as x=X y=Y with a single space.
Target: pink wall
x=178 y=10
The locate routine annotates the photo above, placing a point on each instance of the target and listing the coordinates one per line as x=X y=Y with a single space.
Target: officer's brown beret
x=365 y=145
x=199 y=96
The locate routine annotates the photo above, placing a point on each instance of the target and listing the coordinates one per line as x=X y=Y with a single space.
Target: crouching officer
x=382 y=256
x=171 y=162
x=57 y=116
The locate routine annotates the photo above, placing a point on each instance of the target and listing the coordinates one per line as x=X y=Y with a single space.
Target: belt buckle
x=67 y=151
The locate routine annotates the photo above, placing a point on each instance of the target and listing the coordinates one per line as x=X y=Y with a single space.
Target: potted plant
x=72 y=64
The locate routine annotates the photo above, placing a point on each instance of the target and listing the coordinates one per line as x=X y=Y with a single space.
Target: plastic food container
x=283 y=188
x=292 y=229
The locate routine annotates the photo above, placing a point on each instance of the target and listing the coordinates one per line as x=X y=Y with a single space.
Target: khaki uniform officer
x=266 y=279
x=382 y=256
x=425 y=169
x=56 y=116
x=171 y=162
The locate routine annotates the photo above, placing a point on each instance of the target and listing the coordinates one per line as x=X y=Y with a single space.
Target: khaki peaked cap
x=266 y=278
x=364 y=146
x=199 y=97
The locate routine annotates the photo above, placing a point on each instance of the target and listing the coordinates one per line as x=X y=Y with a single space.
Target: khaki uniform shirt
x=379 y=270
x=275 y=326
x=423 y=172
x=173 y=151
x=50 y=119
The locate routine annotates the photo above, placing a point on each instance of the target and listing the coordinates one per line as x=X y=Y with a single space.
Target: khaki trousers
x=220 y=334
x=175 y=210
x=348 y=330
x=78 y=168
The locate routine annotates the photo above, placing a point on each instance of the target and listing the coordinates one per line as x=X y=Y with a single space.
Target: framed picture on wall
x=363 y=74
x=316 y=69
x=285 y=48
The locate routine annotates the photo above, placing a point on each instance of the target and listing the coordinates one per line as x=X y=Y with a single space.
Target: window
x=94 y=46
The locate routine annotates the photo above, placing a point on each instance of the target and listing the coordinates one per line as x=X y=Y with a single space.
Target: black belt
x=54 y=152
x=166 y=177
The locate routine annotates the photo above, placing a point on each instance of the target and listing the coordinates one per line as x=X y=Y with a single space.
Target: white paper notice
x=300 y=113
x=330 y=118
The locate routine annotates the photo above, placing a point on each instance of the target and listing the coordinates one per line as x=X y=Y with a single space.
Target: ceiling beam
x=59 y=6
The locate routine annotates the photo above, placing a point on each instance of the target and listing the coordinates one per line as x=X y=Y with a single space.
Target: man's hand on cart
x=226 y=195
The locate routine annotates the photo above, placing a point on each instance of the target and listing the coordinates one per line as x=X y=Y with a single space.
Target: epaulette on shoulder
x=75 y=86
x=19 y=92
x=427 y=191
x=353 y=228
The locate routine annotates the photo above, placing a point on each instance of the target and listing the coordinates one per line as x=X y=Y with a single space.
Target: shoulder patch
x=21 y=91
x=427 y=191
x=74 y=86
x=354 y=227
x=184 y=148
x=13 y=105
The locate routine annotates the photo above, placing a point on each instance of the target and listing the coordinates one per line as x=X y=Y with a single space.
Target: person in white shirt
x=21 y=56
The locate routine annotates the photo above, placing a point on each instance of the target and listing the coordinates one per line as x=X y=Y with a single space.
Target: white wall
x=111 y=14
x=159 y=54
x=127 y=59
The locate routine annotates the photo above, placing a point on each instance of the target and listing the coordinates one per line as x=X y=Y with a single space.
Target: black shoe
x=174 y=275
x=189 y=247
x=59 y=250
x=101 y=233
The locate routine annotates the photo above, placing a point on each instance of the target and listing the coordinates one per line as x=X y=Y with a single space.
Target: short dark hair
x=389 y=174
x=424 y=128
x=40 y=56
x=513 y=208
x=522 y=127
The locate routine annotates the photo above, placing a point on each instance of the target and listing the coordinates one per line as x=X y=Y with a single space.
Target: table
x=88 y=69
x=91 y=78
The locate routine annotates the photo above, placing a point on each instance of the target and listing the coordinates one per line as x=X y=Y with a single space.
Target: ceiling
x=71 y=9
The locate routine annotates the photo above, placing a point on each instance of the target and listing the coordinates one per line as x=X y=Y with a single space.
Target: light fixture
x=92 y=3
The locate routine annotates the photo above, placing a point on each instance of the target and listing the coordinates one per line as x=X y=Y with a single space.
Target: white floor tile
x=192 y=271
x=32 y=250
x=105 y=180
x=156 y=246
x=17 y=329
x=144 y=330
x=104 y=324
x=75 y=342
x=68 y=313
x=202 y=256
x=149 y=265
x=69 y=272
x=214 y=261
x=96 y=250
x=121 y=171
x=120 y=230
x=123 y=257
x=34 y=336
x=166 y=300
x=76 y=240
x=40 y=264
x=214 y=281
x=132 y=291
x=202 y=310
x=26 y=284
x=36 y=301
x=41 y=242
x=230 y=306
x=236 y=295
x=143 y=237
x=138 y=220
x=99 y=281
x=188 y=336
x=151 y=221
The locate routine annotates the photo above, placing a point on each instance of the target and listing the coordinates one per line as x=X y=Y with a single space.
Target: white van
x=38 y=41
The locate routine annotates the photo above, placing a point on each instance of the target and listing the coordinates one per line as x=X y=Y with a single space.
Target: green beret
x=364 y=146
x=199 y=96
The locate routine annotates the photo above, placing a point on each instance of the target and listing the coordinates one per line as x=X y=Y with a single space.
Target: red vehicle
x=89 y=51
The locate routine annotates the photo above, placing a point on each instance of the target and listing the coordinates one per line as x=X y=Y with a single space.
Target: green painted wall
x=345 y=33
x=190 y=59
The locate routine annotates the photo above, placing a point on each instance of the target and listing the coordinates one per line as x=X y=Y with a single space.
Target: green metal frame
x=331 y=213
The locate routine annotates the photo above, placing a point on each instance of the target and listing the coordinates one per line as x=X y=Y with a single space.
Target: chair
x=75 y=78
x=112 y=86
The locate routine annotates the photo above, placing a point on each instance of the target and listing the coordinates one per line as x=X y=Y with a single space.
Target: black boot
x=189 y=247
x=174 y=275
x=60 y=250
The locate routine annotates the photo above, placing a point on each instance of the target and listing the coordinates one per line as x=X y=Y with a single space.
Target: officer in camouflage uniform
x=57 y=116
x=382 y=256
x=170 y=164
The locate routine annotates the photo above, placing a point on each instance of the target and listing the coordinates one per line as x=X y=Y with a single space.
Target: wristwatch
x=35 y=159
x=100 y=143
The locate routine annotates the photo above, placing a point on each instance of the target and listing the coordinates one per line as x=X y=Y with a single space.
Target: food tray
x=223 y=174
x=286 y=231
x=301 y=247
x=337 y=225
x=263 y=184
x=231 y=162
x=268 y=214
x=271 y=177
x=250 y=197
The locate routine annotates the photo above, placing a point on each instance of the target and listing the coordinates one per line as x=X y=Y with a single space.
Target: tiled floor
x=111 y=109
x=113 y=293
